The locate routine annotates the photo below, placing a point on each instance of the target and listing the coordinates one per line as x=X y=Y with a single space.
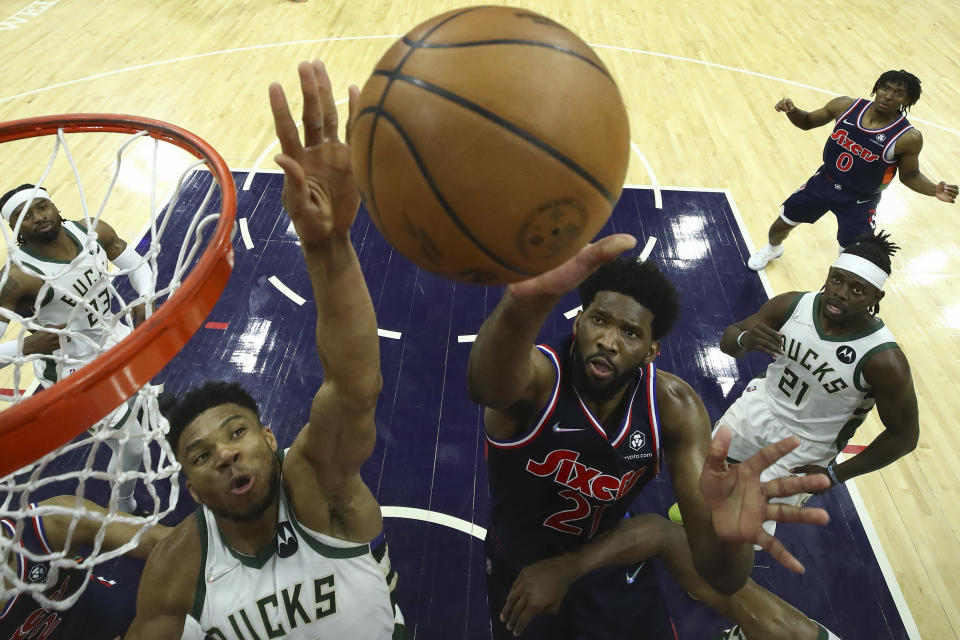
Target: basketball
x=490 y=144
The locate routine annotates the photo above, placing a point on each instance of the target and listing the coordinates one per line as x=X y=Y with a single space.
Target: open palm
x=319 y=192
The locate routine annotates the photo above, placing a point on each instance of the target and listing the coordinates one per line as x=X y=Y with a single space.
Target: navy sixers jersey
x=861 y=159
x=21 y=618
x=566 y=479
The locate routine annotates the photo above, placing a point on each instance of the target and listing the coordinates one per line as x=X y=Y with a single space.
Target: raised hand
x=946 y=192
x=762 y=337
x=318 y=188
x=739 y=502
x=571 y=273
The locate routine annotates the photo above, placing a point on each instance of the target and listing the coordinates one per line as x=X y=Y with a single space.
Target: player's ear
x=270 y=437
x=193 y=494
x=653 y=352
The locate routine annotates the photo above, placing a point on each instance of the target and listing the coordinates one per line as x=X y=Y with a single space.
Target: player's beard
x=46 y=237
x=259 y=508
x=594 y=390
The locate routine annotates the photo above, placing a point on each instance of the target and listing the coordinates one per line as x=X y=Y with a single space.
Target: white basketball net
x=113 y=454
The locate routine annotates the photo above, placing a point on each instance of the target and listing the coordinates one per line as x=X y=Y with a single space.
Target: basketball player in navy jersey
x=576 y=427
x=871 y=141
x=22 y=617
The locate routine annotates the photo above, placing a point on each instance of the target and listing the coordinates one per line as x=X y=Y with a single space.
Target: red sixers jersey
x=566 y=479
x=860 y=159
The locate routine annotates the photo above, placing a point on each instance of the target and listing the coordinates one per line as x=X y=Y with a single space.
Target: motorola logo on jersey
x=846 y=354
x=636 y=440
x=881 y=137
x=286 y=540
x=563 y=466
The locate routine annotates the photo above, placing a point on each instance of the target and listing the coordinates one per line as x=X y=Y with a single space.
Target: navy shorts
x=856 y=213
x=602 y=605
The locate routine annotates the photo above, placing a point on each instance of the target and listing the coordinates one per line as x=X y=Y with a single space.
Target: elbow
x=725 y=583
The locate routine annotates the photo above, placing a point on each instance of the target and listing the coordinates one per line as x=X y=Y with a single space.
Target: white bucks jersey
x=303 y=585
x=817 y=388
x=75 y=294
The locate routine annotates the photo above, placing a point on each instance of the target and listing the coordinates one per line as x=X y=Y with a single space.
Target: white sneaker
x=762 y=258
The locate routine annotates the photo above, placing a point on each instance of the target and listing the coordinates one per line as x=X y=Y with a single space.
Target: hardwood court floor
x=700 y=81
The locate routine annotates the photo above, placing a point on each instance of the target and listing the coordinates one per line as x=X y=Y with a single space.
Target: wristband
x=740 y=344
x=831 y=471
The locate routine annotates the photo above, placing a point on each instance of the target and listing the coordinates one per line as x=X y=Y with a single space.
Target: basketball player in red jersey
x=871 y=141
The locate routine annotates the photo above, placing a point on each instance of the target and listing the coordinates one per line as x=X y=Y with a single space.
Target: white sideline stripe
x=260 y=158
x=572 y=312
x=647 y=249
x=245 y=234
x=909 y=624
x=876 y=547
x=285 y=290
x=384 y=333
x=657 y=198
x=435 y=517
x=467 y=338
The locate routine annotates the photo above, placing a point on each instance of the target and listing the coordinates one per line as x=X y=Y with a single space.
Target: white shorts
x=754 y=427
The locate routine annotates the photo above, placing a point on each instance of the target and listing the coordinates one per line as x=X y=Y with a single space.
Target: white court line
x=385 y=333
x=467 y=338
x=274 y=45
x=876 y=546
x=647 y=249
x=435 y=517
x=255 y=169
x=245 y=234
x=657 y=199
x=196 y=56
x=909 y=624
x=285 y=290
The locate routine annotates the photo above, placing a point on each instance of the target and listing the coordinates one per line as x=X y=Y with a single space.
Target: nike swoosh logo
x=212 y=577
x=864 y=201
x=848 y=122
x=558 y=429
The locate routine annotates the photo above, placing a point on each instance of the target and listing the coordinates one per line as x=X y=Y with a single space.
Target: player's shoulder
x=837 y=106
x=673 y=391
x=178 y=552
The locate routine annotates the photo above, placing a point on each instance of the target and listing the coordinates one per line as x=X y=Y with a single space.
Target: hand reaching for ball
x=319 y=192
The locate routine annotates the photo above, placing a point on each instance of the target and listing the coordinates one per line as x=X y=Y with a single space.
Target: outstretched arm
x=818 y=117
x=908 y=163
x=505 y=369
x=116 y=534
x=320 y=196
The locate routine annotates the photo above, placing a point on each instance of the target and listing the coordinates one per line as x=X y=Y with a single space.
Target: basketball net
x=101 y=315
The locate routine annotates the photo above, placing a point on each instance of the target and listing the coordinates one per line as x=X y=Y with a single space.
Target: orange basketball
x=490 y=144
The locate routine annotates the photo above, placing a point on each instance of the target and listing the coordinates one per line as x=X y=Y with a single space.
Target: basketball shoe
x=762 y=258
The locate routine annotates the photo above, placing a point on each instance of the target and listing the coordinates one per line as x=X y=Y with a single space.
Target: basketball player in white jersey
x=834 y=359
x=59 y=276
x=287 y=545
